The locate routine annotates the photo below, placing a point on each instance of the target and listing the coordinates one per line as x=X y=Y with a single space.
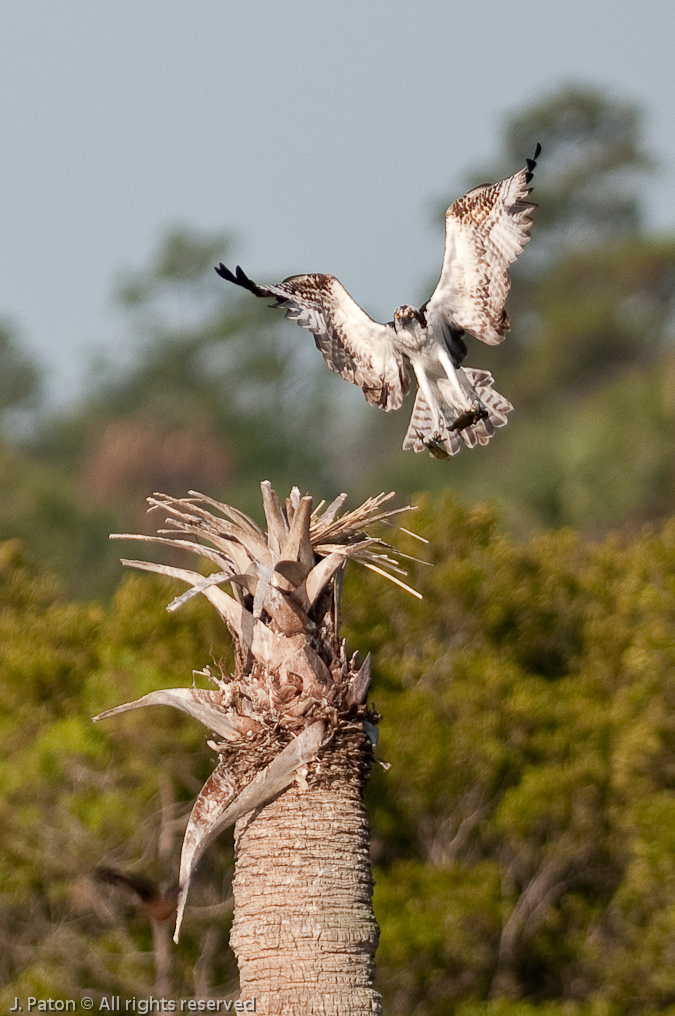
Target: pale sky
x=321 y=135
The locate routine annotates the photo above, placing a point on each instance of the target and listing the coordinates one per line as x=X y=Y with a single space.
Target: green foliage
x=440 y=930
x=528 y=718
x=43 y=509
x=523 y=835
x=20 y=379
x=77 y=795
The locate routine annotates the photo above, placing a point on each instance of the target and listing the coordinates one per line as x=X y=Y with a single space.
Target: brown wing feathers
x=351 y=343
x=486 y=230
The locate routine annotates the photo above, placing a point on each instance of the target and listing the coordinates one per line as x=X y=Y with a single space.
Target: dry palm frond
x=293 y=683
x=237 y=542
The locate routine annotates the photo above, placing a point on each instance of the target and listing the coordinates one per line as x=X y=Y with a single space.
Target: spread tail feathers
x=454 y=430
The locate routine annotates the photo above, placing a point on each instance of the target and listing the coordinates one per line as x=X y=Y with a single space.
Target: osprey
x=485 y=231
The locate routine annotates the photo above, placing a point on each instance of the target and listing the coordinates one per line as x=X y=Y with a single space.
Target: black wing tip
x=224 y=272
x=239 y=278
x=531 y=163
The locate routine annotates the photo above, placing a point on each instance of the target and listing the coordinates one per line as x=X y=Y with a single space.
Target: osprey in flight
x=485 y=231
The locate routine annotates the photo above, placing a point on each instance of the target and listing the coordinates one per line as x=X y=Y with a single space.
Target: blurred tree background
x=218 y=392
x=524 y=835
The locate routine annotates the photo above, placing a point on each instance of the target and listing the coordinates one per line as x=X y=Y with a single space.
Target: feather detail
x=485 y=231
x=422 y=435
x=353 y=345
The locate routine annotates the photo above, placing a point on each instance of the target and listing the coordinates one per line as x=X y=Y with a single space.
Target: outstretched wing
x=485 y=231
x=353 y=345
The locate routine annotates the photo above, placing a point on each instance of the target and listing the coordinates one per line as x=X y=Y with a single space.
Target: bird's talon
x=468 y=418
x=431 y=439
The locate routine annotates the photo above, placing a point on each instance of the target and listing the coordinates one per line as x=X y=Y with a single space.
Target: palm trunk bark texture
x=295 y=744
x=304 y=931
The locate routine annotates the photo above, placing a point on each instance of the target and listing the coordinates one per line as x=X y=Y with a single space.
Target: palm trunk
x=295 y=747
x=304 y=931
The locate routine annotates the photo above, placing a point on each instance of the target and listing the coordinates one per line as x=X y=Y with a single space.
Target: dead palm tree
x=294 y=746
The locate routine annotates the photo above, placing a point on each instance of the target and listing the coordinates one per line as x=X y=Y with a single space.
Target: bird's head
x=407 y=317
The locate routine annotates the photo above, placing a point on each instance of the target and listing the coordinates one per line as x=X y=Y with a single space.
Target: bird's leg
x=459 y=393
x=474 y=409
x=423 y=382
